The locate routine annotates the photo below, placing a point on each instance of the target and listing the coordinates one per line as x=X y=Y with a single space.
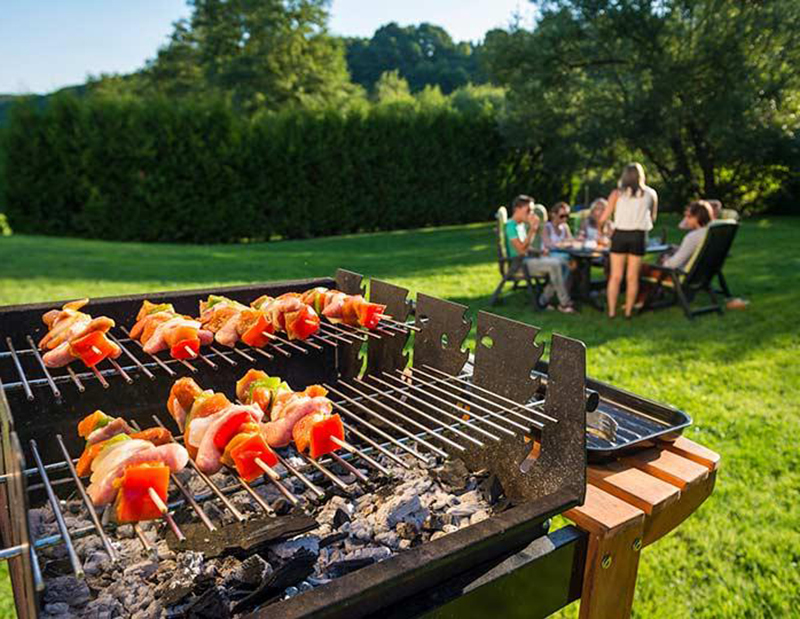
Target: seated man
x=697 y=216
x=521 y=231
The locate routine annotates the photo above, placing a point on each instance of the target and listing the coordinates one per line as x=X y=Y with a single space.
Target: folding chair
x=512 y=269
x=682 y=285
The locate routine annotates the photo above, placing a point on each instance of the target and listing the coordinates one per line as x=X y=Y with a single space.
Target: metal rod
x=162 y=507
x=397 y=427
x=355 y=451
x=338 y=482
x=112 y=553
x=208 y=361
x=290 y=344
x=77 y=568
x=473 y=395
x=264 y=353
x=256 y=497
x=163 y=365
x=324 y=339
x=438 y=422
x=138 y=363
x=403 y=325
x=445 y=413
x=244 y=355
x=187 y=365
x=432 y=386
x=193 y=503
x=318 y=492
x=358 y=330
x=49 y=378
x=376 y=445
x=12 y=551
x=526 y=407
x=214 y=488
x=223 y=356
x=38 y=581
x=99 y=377
x=75 y=379
x=336 y=335
x=121 y=371
x=148 y=545
x=18 y=365
x=355 y=335
x=275 y=480
x=345 y=464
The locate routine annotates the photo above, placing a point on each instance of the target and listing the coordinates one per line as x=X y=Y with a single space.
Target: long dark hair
x=632 y=180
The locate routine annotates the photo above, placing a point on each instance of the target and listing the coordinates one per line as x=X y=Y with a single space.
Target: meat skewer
x=287 y=313
x=159 y=327
x=218 y=432
x=72 y=334
x=348 y=309
x=129 y=469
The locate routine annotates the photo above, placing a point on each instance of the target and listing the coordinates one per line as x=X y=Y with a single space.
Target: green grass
x=736 y=375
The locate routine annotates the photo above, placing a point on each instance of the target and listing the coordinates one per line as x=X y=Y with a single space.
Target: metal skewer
x=390 y=423
x=223 y=356
x=376 y=445
x=308 y=483
x=273 y=476
x=138 y=363
x=112 y=553
x=333 y=478
x=120 y=369
x=163 y=365
x=99 y=377
x=478 y=407
x=349 y=467
x=402 y=325
x=162 y=507
x=77 y=568
x=75 y=379
x=355 y=335
x=18 y=365
x=244 y=355
x=288 y=343
x=49 y=378
x=353 y=450
x=526 y=407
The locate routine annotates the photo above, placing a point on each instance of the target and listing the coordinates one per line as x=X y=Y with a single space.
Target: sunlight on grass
x=736 y=375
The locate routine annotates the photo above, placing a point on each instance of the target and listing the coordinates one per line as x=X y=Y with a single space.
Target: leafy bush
x=154 y=170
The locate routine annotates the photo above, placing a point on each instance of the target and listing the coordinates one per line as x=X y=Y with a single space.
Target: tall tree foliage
x=425 y=55
x=707 y=91
x=261 y=54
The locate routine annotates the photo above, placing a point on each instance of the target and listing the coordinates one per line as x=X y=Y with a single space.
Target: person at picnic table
x=556 y=231
x=590 y=229
x=715 y=207
x=634 y=206
x=522 y=230
x=697 y=216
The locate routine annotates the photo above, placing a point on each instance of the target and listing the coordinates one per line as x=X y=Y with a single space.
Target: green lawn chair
x=512 y=269
x=704 y=266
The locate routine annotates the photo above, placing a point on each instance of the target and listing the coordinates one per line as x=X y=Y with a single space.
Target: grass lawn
x=738 y=376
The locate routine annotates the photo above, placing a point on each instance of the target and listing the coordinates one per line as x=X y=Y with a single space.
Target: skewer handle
x=267 y=469
x=190 y=352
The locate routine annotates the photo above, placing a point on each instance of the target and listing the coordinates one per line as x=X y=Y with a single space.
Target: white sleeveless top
x=635 y=212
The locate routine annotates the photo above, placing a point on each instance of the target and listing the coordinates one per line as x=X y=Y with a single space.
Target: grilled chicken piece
x=209 y=456
x=278 y=432
x=62 y=355
x=117 y=426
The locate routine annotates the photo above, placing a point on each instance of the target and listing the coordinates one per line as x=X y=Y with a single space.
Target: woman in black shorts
x=634 y=206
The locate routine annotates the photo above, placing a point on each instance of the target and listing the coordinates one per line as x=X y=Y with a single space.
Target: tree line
x=705 y=93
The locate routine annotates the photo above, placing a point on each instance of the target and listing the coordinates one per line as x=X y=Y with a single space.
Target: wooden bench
x=631 y=503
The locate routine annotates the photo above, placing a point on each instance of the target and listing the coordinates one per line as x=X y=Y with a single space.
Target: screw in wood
x=637 y=544
x=606 y=563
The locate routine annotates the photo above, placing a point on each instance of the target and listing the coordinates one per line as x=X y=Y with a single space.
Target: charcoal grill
x=509 y=413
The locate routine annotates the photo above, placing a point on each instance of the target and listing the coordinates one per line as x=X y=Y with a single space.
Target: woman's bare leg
x=632 y=282
x=614 y=281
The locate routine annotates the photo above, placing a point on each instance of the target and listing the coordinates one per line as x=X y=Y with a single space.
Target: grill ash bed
x=452 y=468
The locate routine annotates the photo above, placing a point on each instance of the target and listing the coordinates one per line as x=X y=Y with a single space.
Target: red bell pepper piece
x=369 y=314
x=321 y=434
x=254 y=336
x=230 y=428
x=305 y=324
x=182 y=349
x=133 y=499
x=93 y=348
x=245 y=453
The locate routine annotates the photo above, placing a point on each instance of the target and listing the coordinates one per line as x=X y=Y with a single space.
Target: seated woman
x=590 y=230
x=697 y=216
x=556 y=231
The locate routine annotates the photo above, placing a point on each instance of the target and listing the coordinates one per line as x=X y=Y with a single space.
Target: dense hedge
x=161 y=171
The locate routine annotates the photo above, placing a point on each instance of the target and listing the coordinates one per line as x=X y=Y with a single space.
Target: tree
x=425 y=55
x=706 y=91
x=261 y=54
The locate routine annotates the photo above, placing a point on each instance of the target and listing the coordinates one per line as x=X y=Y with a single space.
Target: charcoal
x=407 y=530
x=67 y=589
x=433 y=522
x=104 y=607
x=453 y=474
x=479 y=516
x=340 y=568
x=491 y=489
x=143 y=569
x=251 y=572
x=295 y=570
x=340 y=517
x=288 y=549
x=57 y=608
x=171 y=593
x=239 y=539
x=213 y=604
x=332 y=539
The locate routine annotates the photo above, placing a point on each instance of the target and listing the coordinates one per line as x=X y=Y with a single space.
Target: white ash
x=367 y=526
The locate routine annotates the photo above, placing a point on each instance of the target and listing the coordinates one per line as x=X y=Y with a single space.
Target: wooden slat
x=640 y=489
x=693 y=451
x=691 y=499
x=669 y=467
x=615 y=531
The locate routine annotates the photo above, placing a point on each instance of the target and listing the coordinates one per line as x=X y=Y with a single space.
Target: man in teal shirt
x=521 y=230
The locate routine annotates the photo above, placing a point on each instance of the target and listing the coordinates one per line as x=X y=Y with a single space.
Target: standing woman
x=634 y=206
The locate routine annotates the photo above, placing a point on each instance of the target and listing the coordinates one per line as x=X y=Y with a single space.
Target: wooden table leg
x=615 y=538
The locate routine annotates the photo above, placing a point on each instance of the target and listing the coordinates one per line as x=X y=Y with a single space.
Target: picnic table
x=587 y=253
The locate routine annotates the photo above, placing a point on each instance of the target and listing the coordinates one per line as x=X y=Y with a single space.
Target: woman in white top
x=634 y=206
